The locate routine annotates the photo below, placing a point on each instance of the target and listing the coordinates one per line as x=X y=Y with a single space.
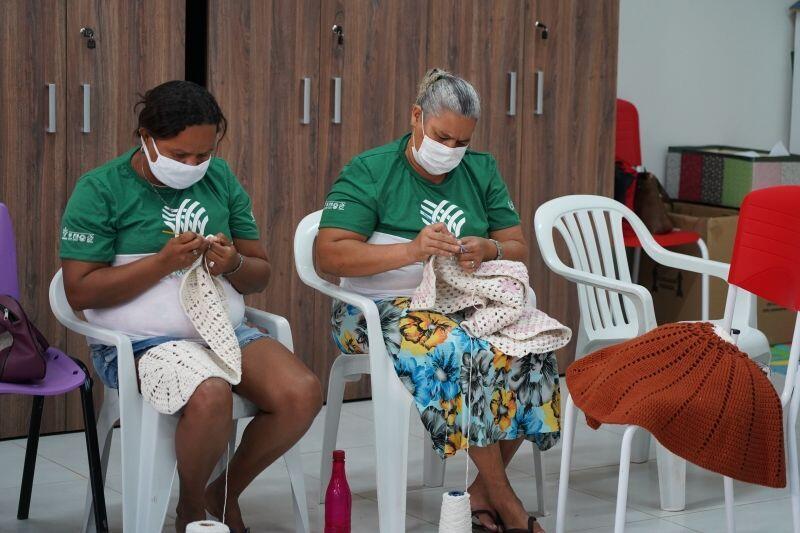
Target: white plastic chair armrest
x=275 y=324
x=690 y=263
x=66 y=315
x=640 y=297
x=362 y=303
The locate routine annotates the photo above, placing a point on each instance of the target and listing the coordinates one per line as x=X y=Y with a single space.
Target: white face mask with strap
x=173 y=173
x=435 y=157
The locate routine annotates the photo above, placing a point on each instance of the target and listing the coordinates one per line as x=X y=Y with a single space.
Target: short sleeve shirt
x=114 y=216
x=113 y=211
x=381 y=196
x=379 y=191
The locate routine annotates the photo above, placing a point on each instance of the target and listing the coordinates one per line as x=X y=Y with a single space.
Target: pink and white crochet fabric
x=496 y=299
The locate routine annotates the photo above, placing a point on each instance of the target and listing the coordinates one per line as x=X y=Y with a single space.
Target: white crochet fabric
x=169 y=373
x=496 y=300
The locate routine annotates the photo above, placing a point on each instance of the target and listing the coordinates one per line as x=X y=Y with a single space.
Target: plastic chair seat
x=63 y=375
x=667 y=240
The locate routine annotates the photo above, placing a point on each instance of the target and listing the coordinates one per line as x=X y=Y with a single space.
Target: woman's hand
x=433 y=240
x=222 y=256
x=476 y=251
x=180 y=252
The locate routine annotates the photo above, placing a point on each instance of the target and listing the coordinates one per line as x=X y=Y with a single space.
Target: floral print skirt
x=510 y=397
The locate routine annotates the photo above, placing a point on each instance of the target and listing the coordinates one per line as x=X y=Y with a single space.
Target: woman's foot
x=214 y=499
x=515 y=516
x=479 y=501
x=186 y=514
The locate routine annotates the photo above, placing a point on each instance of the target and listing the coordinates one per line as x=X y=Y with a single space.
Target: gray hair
x=441 y=91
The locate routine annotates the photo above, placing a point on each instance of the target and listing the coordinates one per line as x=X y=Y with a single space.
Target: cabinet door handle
x=51 y=108
x=306 y=101
x=512 y=94
x=87 y=108
x=539 y=93
x=337 y=100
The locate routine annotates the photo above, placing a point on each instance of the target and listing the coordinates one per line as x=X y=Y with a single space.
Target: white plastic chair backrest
x=304 y=237
x=591 y=227
x=58 y=300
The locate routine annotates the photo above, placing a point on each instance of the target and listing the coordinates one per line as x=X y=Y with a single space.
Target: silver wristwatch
x=499 y=249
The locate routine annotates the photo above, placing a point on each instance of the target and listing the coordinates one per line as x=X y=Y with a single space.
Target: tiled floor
x=60 y=486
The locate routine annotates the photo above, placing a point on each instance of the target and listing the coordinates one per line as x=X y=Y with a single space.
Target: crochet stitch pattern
x=496 y=301
x=696 y=392
x=170 y=372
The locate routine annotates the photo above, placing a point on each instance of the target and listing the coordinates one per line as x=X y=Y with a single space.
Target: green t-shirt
x=379 y=191
x=114 y=212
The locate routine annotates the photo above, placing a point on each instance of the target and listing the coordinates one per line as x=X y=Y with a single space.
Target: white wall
x=706 y=72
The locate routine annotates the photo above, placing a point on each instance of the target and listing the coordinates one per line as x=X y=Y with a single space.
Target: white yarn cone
x=207 y=526
x=456 y=515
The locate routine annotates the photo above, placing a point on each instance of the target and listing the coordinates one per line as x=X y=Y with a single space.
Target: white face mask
x=435 y=157
x=174 y=173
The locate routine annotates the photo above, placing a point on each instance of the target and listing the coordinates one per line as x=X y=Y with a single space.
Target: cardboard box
x=676 y=293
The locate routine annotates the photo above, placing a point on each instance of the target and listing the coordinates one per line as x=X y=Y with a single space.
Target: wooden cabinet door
x=32 y=183
x=483 y=43
x=138 y=45
x=260 y=54
x=379 y=61
x=567 y=148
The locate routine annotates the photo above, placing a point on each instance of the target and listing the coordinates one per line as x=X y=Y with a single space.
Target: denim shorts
x=104 y=358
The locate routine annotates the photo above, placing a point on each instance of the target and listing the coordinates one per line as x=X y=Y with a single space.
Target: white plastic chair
x=148 y=443
x=390 y=399
x=617 y=310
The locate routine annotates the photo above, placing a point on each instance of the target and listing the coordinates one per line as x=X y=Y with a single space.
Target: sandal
x=531 y=522
x=476 y=522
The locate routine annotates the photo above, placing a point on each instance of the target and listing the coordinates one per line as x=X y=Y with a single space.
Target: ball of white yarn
x=207 y=526
x=456 y=515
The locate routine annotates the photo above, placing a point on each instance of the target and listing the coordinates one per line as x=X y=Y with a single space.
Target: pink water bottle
x=338 y=499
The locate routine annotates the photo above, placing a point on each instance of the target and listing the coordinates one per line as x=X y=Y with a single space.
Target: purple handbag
x=22 y=346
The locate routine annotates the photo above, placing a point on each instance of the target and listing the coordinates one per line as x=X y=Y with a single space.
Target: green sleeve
x=500 y=208
x=241 y=220
x=352 y=202
x=88 y=228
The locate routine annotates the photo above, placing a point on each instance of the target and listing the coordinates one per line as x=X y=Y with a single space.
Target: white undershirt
x=157 y=311
x=401 y=281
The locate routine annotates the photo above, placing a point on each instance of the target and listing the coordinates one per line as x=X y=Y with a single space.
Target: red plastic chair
x=766 y=262
x=629 y=150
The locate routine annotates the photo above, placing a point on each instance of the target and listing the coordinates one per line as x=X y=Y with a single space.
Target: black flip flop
x=529 y=529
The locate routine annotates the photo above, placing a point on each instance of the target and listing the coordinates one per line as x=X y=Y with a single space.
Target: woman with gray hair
x=392 y=208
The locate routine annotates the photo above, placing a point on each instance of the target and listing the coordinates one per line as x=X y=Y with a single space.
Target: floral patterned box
x=723 y=175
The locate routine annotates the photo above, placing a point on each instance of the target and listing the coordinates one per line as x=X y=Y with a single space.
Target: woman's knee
x=212 y=398
x=304 y=395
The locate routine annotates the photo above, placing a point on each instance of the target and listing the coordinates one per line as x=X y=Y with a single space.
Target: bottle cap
x=338 y=455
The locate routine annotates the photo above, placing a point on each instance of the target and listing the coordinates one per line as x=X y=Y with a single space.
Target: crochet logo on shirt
x=189 y=216
x=447 y=212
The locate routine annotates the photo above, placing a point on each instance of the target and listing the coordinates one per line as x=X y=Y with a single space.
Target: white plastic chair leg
x=433 y=470
x=156 y=470
x=294 y=465
x=640 y=448
x=538 y=471
x=704 y=313
x=109 y=414
x=567 y=438
x=671 y=480
x=391 y=403
x=728 y=484
x=624 y=476
x=794 y=468
x=333 y=412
